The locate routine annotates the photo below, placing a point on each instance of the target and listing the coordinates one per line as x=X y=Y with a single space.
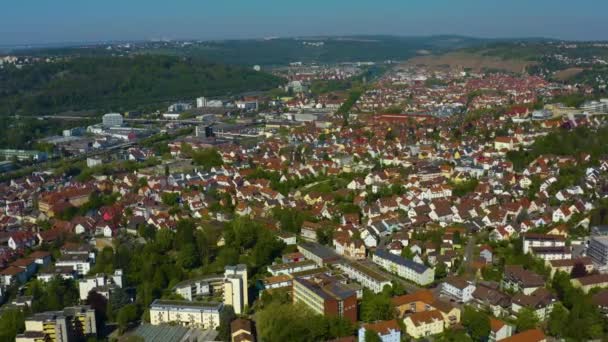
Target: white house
x=458 y=288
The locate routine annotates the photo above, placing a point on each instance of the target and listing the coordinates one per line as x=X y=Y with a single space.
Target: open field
x=475 y=62
x=566 y=74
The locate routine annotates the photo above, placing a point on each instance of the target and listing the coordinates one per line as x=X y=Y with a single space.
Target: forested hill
x=106 y=83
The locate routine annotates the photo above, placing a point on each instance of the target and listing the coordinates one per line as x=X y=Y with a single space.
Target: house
x=486 y=254
x=487 y=296
x=22 y=239
x=388 y=331
x=309 y=231
x=41 y=258
x=589 y=282
x=562 y=214
x=424 y=300
x=12 y=275
x=458 y=288
x=424 y=324
x=518 y=279
x=499 y=330
x=534 y=335
x=566 y=265
x=540 y=301
x=27 y=264
x=241 y=330
x=350 y=248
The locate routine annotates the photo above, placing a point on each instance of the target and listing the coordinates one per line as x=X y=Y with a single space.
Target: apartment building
x=291 y=267
x=203 y=315
x=598 y=250
x=205 y=286
x=424 y=323
x=235 y=287
x=365 y=276
x=320 y=254
x=531 y=240
x=70 y=324
x=326 y=296
x=80 y=263
x=100 y=283
x=408 y=269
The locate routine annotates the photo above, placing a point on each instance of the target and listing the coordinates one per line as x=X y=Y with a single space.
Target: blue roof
x=399 y=260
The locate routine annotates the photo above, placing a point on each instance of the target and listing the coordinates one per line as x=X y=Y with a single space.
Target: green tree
x=376 y=307
x=125 y=316
x=207 y=158
x=526 y=319
x=12 y=322
x=372 y=336
x=226 y=317
x=558 y=320
x=188 y=257
x=441 y=271
x=477 y=323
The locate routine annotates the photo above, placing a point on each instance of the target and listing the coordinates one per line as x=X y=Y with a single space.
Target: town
x=369 y=201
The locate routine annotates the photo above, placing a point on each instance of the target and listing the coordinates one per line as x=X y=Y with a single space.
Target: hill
x=105 y=83
x=281 y=51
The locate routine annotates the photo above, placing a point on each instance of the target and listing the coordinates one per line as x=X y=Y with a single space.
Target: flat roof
x=367 y=271
x=186 y=304
x=319 y=250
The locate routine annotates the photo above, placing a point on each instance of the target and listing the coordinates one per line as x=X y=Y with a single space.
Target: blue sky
x=53 y=21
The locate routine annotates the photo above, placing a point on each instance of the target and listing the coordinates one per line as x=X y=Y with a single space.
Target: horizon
x=73 y=44
x=71 y=22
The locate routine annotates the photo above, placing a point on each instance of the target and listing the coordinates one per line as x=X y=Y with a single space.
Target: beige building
x=424 y=323
x=71 y=324
x=189 y=314
x=235 y=288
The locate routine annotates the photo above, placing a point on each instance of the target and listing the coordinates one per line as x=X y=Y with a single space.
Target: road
x=469 y=256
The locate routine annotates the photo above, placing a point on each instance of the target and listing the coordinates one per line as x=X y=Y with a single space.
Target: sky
x=60 y=21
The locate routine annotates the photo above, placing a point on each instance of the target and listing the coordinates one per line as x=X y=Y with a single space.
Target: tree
x=526 y=320
x=125 y=316
x=558 y=320
x=407 y=253
x=98 y=303
x=188 y=257
x=578 y=270
x=170 y=198
x=372 y=336
x=376 y=307
x=296 y=322
x=207 y=158
x=477 y=323
x=441 y=271
x=227 y=315
x=12 y=322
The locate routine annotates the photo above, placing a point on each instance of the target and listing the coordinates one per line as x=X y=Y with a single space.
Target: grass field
x=566 y=74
